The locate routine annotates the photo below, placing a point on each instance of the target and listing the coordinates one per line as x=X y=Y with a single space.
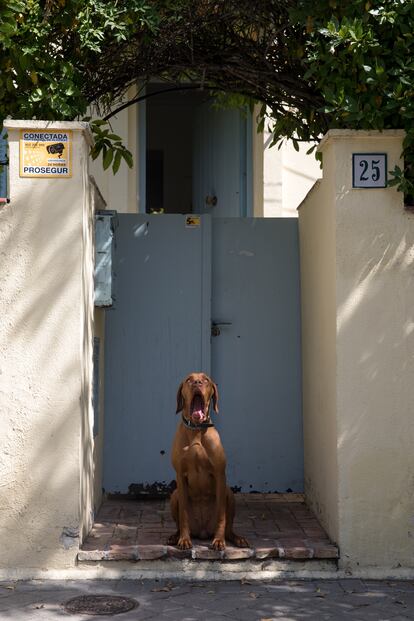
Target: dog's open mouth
x=197 y=408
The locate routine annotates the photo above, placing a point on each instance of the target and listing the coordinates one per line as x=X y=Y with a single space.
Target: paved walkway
x=340 y=600
x=276 y=526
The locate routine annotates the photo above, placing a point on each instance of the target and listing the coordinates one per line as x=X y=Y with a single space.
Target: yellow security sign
x=45 y=153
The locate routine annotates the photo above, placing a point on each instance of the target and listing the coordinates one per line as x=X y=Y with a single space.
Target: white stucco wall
x=96 y=457
x=373 y=365
x=288 y=175
x=46 y=303
x=318 y=300
x=98 y=452
x=120 y=191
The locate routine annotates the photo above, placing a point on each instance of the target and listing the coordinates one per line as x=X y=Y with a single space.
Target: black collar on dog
x=190 y=425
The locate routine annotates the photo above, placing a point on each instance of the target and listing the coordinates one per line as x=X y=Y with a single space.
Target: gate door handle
x=216 y=325
x=211 y=200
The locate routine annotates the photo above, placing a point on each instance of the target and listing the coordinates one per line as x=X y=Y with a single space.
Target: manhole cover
x=100 y=604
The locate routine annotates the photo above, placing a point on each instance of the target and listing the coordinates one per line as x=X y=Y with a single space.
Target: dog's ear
x=215 y=398
x=180 y=400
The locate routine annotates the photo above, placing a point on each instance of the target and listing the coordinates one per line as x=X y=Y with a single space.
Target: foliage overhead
x=47 y=47
x=359 y=56
x=312 y=65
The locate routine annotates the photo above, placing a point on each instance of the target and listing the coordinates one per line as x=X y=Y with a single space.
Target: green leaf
x=117 y=162
x=107 y=158
x=7 y=28
x=127 y=155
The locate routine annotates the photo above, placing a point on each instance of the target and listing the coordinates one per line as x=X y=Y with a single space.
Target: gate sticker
x=45 y=153
x=192 y=222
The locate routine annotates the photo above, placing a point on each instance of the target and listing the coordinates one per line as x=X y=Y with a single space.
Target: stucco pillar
x=357 y=254
x=46 y=309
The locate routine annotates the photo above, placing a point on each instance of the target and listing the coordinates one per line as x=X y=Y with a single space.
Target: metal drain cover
x=100 y=604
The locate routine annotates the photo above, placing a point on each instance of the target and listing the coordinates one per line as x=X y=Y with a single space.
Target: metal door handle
x=211 y=201
x=216 y=325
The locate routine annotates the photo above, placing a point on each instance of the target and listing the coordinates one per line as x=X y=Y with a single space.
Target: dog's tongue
x=197 y=413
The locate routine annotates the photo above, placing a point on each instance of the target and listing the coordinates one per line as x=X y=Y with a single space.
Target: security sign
x=45 y=153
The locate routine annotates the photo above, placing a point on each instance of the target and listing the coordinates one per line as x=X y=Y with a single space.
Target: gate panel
x=157 y=332
x=160 y=330
x=256 y=360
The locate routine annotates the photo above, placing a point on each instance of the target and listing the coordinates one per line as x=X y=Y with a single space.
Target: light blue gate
x=177 y=277
x=256 y=359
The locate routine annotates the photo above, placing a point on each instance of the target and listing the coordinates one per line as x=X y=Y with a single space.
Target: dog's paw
x=173 y=539
x=218 y=544
x=240 y=542
x=184 y=543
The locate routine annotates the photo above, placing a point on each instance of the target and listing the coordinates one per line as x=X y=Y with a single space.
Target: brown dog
x=202 y=505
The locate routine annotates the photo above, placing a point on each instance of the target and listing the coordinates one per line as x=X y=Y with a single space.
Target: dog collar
x=190 y=425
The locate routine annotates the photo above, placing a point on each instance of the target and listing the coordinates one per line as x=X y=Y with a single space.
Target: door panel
x=158 y=331
x=256 y=360
x=220 y=161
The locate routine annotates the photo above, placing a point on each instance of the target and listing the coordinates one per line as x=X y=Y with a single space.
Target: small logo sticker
x=192 y=222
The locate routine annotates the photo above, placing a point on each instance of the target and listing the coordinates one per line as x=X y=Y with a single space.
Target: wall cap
x=100 y=202
x=81 y=126
x=347 y=134
x=311 y=191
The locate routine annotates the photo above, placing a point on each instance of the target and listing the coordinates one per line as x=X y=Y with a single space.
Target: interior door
x=157 y=332
x=256 y=356
x=222 y=162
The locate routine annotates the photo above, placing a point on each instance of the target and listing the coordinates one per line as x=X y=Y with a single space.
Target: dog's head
x=194 y=395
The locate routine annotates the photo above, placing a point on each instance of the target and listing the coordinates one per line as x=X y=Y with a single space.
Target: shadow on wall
x=375 y=339
x=44 y=391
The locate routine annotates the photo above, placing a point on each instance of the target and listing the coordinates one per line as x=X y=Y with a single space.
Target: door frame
x=142 y=155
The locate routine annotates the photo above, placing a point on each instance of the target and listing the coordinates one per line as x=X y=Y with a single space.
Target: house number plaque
x=369 y=170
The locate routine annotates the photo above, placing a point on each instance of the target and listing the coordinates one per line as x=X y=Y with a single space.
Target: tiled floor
x=276 y=526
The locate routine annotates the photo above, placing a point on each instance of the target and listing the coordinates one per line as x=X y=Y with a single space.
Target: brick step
x=277 y=526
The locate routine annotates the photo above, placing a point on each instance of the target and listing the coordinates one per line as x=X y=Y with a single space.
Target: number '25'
x=374 y=172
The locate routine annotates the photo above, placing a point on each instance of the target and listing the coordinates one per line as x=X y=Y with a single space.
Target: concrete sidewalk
x=285 y=600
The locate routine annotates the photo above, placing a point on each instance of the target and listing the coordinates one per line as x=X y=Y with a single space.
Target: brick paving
x=276 y=526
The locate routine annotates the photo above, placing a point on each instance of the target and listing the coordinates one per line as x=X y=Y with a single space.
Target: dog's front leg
x=184 y=540
x=218 y=542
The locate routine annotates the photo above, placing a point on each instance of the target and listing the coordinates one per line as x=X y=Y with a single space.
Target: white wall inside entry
x=159 y=131
x=194 y=157
x=288 y=175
